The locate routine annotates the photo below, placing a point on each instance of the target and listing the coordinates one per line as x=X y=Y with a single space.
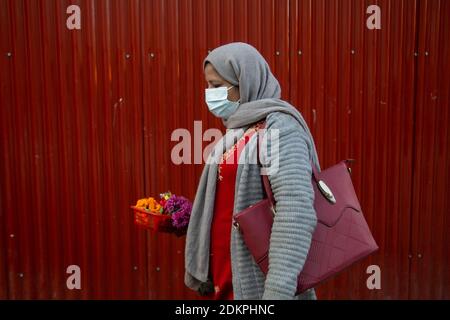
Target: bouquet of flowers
x=170 y=214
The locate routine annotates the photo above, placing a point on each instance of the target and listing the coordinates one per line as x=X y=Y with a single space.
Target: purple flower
x=180 y=209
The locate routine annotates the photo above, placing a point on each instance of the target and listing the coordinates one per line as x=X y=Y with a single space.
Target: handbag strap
x=265 y=178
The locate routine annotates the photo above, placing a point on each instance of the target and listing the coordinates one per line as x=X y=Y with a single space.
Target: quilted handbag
x=341 y=238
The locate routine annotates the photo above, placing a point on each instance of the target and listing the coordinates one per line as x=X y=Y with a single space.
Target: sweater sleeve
x=295 y=217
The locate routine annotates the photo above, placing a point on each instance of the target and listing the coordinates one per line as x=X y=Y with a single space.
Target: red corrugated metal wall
x=86 y=119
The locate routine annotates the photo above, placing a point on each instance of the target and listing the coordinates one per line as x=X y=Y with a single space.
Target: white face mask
x=218 y=103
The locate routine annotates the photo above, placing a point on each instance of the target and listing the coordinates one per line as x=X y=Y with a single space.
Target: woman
x=243 y=92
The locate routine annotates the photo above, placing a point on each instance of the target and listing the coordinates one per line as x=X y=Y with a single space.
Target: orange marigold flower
x=142 y=203
x=153 y=205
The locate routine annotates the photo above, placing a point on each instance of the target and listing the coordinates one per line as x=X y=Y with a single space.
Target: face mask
x=218 y=103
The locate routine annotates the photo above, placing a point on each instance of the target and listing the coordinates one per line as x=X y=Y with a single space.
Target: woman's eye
x=214 y=86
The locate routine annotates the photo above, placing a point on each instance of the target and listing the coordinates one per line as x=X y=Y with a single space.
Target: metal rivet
x=158 y=269
x=127 y=56
x=419 y=256
x=426 y=53
x=353 y=51
x=11 y=235
x=152 y=55
x=135 y=268
x=409 y=256
x=21 y=275
x=299 y=52
x=9 y=54
x=416 y=54
x=277 y=53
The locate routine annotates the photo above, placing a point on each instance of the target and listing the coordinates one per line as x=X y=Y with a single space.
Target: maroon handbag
x=341 y=238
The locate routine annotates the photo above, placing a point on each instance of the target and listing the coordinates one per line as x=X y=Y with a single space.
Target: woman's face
x=214 y=80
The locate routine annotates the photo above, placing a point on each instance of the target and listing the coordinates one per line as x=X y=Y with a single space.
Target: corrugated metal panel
x=430 y=241
x=5 y=96
x=165 y=91
x=72 y=149
x=86 y=119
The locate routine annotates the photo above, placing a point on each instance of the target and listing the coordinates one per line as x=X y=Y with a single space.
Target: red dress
x=220 y=257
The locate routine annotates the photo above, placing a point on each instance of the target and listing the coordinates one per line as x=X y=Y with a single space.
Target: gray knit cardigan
x=294 y=221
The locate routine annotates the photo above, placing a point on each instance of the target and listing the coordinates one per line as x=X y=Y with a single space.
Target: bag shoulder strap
x=264 y=177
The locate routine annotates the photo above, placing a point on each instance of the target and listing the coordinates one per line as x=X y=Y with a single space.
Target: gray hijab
x=241 y=65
